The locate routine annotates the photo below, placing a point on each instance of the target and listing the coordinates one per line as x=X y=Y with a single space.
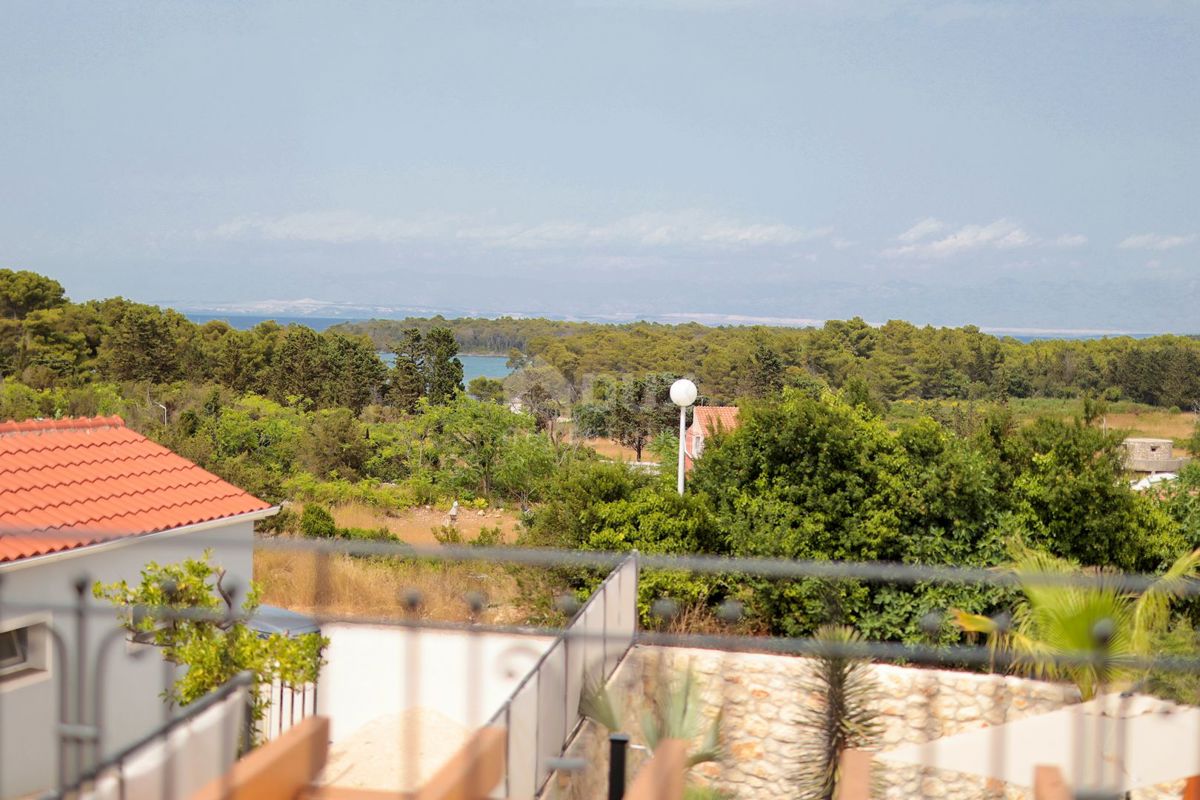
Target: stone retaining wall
x=761 y=735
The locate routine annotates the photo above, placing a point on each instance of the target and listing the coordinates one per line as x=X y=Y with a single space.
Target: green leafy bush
x=488 y=537
x=447 y=534
x=286 y=521
x=317 y=523
x=366 y=534
x=213 y=645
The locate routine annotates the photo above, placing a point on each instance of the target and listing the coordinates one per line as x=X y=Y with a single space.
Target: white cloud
x=999 y=235
x=924 y=228
x=1156 y=241
x=1070 y=240
x=684 y=228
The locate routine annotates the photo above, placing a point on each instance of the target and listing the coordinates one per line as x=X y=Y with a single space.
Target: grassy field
x=415 y=525
x=1135 y=419
x=1161 y=424
x=617 y=452
x=378 y=589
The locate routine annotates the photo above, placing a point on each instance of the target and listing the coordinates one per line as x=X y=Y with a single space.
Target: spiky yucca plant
x=838 y=711
x=676 y=712
x=600 y=705
x=1053 y=620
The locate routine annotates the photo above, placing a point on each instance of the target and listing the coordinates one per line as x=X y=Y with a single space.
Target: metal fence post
x=618 y=748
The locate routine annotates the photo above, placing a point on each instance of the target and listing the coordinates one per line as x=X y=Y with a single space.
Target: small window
x=14 y=651
x=23 y=652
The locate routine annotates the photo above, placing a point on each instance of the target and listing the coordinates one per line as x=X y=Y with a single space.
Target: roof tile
x=73 y=482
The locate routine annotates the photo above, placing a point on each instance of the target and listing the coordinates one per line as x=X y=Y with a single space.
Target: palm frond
x=1056 y=626
x=1152 y=610
x=677 y=712
x=600 y=705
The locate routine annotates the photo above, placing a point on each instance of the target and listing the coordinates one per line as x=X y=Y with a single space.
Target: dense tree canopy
x=811 y=476
x=826 y=465
x=895 y=361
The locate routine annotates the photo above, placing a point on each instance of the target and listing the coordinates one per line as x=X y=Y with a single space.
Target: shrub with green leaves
x=489 y=537
x=317 y=523
x=186 y=610
x=447 y=534
x=379 y=534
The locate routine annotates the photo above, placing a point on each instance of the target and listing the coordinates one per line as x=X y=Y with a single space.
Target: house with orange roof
x=706 y=420
x=86 y=500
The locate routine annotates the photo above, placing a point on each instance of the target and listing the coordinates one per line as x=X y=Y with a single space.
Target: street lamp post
x=683 y=394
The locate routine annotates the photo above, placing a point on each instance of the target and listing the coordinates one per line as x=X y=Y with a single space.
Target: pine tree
x=406 y=385
x=443 y=370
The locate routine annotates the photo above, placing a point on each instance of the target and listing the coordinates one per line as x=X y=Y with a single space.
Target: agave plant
x=600 y=705
x=839 y=711
x=1112 y=627
x=676 y=712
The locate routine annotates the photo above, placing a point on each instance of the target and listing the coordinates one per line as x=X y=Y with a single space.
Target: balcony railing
x=1093 y=747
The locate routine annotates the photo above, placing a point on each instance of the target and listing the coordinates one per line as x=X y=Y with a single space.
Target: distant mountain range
x=320 y=315
x=1141 y=305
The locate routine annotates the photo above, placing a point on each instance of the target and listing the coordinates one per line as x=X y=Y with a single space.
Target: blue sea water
x=473 y=366
x=244 y=322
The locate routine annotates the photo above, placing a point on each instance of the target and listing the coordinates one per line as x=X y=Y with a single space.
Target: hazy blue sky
x=1022 y=164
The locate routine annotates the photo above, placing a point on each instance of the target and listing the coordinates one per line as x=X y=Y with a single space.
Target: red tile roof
x=715 y=418
x=710 y=419
x=73 y=482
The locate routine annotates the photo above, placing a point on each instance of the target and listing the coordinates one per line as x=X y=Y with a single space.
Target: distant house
x=707 y=420
x=1152 y=455
x=83 y=500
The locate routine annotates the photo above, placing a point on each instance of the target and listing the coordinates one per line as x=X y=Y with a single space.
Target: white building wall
x=134 y=676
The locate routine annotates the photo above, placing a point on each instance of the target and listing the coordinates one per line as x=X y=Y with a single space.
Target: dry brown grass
x=617 y=452
x=1159 y=424
x=415 y=525
x=377 y=588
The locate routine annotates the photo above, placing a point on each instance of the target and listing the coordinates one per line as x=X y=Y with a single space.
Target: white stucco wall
x=29 y=707
x=375 y=671
x=402 y=702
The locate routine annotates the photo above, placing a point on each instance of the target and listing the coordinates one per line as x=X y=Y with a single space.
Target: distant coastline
x=247 y=321
x=244 y=322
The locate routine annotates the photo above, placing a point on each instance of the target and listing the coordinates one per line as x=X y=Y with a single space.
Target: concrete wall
x=1151 y=455
x=762 y=738
x=40 y=590
x=402 y=702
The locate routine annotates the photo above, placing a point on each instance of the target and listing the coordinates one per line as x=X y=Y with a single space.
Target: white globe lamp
x=683 y=394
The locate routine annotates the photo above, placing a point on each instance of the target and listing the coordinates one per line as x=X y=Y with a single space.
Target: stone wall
x=761 y=735
x=1151 y=455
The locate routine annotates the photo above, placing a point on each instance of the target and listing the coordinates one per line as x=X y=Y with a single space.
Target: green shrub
x=422 y=488
x=307 y=488
x=286 y=521
x=447 y=534
x=317 y=523
x=380 y=534
x=488 y=537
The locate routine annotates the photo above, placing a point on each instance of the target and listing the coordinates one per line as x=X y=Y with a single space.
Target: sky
x=1015 y=165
